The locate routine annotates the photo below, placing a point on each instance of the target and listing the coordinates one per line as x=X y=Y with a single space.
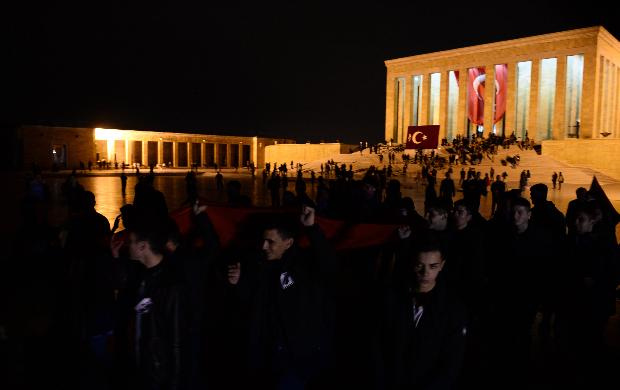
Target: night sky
x=307 y=73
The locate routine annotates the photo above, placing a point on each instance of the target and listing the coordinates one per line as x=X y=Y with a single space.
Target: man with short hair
x=497 y=190
x=447 y=190
x=291 y=324
x=573 y=206
x=544 y=213
x=422 y=334
x=159 y=308
x=465 y=271
x=520 y=278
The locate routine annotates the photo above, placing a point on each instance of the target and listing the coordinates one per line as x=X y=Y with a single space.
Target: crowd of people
x=448 y=301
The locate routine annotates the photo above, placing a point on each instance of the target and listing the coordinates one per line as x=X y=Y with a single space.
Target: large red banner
x=476 y=86
x=422 y=137
x=228 y=222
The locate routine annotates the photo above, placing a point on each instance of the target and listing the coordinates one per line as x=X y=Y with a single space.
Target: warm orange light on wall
x=108 y=134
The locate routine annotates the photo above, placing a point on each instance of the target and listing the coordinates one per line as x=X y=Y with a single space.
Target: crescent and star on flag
x=422 y=137
x=415 y=140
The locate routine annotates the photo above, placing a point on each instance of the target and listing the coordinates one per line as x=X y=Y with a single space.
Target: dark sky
x=307 y=73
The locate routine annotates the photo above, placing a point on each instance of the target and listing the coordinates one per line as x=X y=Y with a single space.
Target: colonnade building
x=553 y=86
x=66 y=147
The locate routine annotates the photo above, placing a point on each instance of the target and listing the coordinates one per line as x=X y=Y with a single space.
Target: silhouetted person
x=497 y=190
x=291 y=325
x=422 y=329
x=571 y=212
x=123 y=183
x=219 y=181
x=158 y=304
x=447 y=190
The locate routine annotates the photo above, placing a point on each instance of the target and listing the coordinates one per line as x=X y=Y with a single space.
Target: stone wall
x=37 y=143
x=599 y=154
x=304 y=153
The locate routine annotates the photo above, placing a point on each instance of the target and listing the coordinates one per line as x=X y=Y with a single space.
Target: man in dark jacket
x=421 y=339
x=291 y=325
x=159 y=310
x=547 y=217
x=519 y=279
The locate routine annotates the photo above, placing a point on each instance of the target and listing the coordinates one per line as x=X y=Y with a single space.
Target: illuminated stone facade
x=557 y=86
x=303 y=153
x=66 y=147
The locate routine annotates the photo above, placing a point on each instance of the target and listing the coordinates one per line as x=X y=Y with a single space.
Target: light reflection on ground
x=107 y=190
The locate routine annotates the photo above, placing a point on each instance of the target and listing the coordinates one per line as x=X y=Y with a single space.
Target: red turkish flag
x=423 y=137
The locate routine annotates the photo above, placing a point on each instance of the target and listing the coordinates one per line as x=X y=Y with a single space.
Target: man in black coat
x=519 y=280
x=548 y=218
x=290 y=322
x=422 y=334
x=156 y=311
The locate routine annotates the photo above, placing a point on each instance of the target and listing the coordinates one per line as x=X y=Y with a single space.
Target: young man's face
x=521 y=216
x=437 y=221
x=427 y=267
x=274 y=245
x=583 y=223
x=461 y=217
x=136 y=248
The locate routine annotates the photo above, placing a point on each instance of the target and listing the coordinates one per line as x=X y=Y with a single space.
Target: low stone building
x=65 y=147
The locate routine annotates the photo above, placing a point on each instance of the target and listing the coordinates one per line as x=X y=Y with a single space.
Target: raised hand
x=234 y=272
x=198 y=208
x=307 y=216
x=115 y=245
x=117 y=222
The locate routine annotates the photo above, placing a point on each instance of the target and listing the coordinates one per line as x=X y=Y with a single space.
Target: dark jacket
x=160 y=333
x=428 y=356
x=290 y=315
x=593 y=257
x=547 y=216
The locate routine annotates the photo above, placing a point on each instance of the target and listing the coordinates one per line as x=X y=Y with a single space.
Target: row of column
x=111 y=149
x=559 y=120
x=609 y=97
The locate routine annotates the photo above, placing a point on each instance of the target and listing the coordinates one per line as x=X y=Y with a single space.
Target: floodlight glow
x=108 y=134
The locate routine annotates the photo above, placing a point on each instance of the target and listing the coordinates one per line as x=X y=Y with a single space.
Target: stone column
x=215 y=154
x=443 y=103
x=389 y=107
x=190 y=158
x=408 y=97
x=145 y=152
x=160 y=152
x=111 y=150
x=559 y=119
x=590 y=88
x=532 y=120
x=254 y=152
x=127 y=152
x=489 y=99
x=401 y=108
x=511 y=97
x=613 y=100
x=616 y=131
x=203 y=154
x=426 y=95
x=461 y=113
x=228 y=151
x=175 y=154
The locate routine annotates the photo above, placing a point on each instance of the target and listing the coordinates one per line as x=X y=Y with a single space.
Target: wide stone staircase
x=541 y=167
